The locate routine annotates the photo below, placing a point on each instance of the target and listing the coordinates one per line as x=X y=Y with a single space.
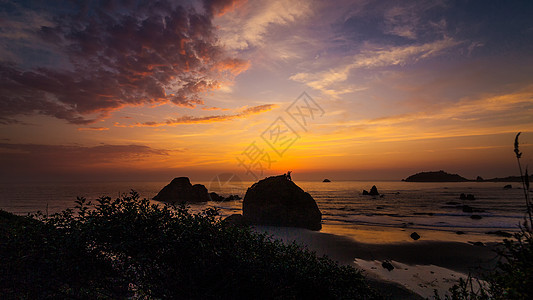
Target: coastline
x=420 y=266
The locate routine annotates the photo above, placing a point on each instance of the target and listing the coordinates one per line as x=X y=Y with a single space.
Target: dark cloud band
x=119 y=54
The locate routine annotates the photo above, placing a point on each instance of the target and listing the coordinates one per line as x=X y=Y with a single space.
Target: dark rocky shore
x=442 y=176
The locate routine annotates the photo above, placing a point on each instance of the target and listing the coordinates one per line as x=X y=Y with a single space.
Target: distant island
x=441 y=176
x=438 y=176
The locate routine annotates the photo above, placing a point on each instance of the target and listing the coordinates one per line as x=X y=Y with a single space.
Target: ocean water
x=426 y=208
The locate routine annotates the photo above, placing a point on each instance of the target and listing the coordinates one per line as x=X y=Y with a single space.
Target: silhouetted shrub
x=128 y=247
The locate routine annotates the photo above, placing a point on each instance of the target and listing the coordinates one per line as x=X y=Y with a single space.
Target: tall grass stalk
x=525 y=182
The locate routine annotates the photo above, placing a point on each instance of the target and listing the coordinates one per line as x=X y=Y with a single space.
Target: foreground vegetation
x=513 y=277
x=128 y=248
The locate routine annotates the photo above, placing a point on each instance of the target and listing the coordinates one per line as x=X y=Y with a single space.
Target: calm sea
x=428 y=208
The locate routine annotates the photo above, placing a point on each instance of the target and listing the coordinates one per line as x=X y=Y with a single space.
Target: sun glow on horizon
x=392 y=95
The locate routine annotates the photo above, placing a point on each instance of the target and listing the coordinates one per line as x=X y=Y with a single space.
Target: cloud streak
x=249 y=26
x=117 y=55
x=204 y=120
x=372 y=58
x=36 y=156
x=93 y=128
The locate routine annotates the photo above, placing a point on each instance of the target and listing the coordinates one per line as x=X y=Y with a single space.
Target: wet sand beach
x=419 y=266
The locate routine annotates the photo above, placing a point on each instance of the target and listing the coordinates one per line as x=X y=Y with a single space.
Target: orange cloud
x=214 y=108
x=93 y=128
x=232 y=66
x=207 y=119
x=221 y=7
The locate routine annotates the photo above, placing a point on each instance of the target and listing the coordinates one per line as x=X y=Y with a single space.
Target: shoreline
x=374 y=234
x=420 y=266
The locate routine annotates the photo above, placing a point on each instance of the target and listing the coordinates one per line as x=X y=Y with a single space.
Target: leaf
x=516 y=149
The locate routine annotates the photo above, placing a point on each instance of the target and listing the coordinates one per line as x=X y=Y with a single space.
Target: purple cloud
x=120 y=54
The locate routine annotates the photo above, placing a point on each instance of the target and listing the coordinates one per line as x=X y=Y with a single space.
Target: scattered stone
x=365 y=193
x=477 y=244
x=326 y=180
x=387 y=265
x=452 y=203
x=379 y=207
x=278 y=201
x=415 y=236
x=500 y=233
x=467 y=209
x=508 y=187
x=464 y=196
x=423 y=214
x=459 y=232
x=181 y=190
x=476 y=217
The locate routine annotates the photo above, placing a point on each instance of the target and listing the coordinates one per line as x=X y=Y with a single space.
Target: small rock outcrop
x=501 y=233
x=415 y=236
x=387 y=265
x=507 y=187
x=217 y=198
x=326 y=180
x=232 y=198
x=464 y=196
x=277 y=201
x=180 y=189
x=467 y=209
x=373 y=191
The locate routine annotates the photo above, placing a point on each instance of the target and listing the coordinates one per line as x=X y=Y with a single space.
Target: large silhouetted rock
x=180 y=189
x=278 y=201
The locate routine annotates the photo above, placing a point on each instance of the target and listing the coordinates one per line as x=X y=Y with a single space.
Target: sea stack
x=373 y=191
x=277 y=201
x=180 y=189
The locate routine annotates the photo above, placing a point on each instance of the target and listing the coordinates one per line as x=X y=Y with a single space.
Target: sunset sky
x=151 y=90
